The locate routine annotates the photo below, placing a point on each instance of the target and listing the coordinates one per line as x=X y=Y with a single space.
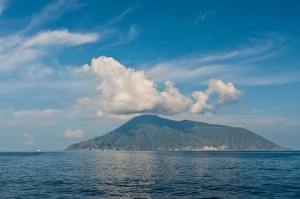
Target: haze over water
x=150 y=174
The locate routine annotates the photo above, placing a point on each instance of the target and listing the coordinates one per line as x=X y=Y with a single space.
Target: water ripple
x=150 y=175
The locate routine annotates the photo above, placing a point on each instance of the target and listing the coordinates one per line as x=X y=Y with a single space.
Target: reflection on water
x=150 y=174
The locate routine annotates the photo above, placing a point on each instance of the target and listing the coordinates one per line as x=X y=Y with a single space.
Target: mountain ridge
x=152 y=133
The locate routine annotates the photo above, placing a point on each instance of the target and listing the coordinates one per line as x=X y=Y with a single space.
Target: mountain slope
x=150 y=132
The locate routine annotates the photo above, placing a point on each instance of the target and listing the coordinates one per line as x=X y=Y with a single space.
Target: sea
x=173 y=174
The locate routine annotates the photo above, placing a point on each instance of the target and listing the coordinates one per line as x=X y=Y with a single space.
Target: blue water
x=150 y=175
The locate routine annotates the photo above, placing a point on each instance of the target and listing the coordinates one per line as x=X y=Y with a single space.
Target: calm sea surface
x=150 y=175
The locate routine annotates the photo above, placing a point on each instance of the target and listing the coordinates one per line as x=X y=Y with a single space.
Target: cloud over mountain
x=125 y=91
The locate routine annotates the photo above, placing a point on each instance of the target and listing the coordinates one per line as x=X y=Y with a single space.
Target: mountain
x=151 y=133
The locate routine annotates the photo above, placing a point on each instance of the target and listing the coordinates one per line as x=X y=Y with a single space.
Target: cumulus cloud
x=28 y=139
x=226 y=91
x=125 y=91
x=201 y=102
x=76 y=133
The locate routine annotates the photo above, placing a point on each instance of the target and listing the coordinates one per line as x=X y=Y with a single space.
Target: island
x=154 y=133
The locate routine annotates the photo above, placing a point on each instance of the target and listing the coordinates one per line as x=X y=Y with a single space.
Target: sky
x=71 y=70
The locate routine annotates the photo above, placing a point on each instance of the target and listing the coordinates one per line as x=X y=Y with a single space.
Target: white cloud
x=126 y=91
x=28 y=139
x=201 y=103
x=18 y=50
x=226 y=91
x=61 y=37
x=76 y=133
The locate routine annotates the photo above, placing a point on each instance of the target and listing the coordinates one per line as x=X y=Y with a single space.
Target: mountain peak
x=144 y=120
x=146 y=116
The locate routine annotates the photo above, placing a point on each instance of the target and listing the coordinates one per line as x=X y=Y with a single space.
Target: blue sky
x=228 y=62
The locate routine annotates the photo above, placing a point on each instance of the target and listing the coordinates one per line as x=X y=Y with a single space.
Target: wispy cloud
x=123 y=14
x=180 y=73
x=265 y=79
x=204 y=15
x=241 y=65
x=40 y=117
x=125 y=37
x=118 y=36
x=132 y=34
x=19 y=49
x=51 y=12
x=61 y=37
x=2 y=6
